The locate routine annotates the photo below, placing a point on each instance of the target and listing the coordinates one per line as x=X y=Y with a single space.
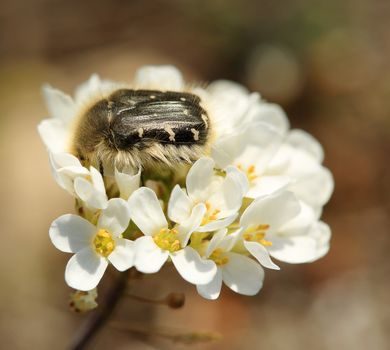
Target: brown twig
x=102 y=314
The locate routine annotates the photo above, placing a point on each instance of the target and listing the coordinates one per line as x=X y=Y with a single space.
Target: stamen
x=219 y=257
x=211 y=215
x=257 y=234
x=250 y=172
x=166 y=239
x=103 y=243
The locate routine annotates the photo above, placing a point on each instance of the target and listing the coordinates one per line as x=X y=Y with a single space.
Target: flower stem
x=102 y=314
x=172 y=334
x=172 y=300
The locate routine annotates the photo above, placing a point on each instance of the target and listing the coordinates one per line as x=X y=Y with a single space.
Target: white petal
x=59 y=105
x=215 y=241
x=71 y=233
x=273 y=210
x=261 y=254
x=280 y=162
x=239 y=177
x=242 y=274
x=228 y=196
x=115 y=218
x=230 y=94
x=72 y=172
x=302 y=140
x=88 y=89
x=64 y=160
x=266 y=185
x=321 y=233
x=63 y=181
x=213 y=289
x=269 y=113
x=192 y=267
x=97 y=180
x=293 y=249
x=159 y=77
x=54 y=134
x=191 y=224
x=123 y=255
x=315 y=188
x=65 y=168
x=199 y=178
x=305 y=248
x=67 y=165
x=221 y=151
x=217 y=224
x=146 y=212
x=301 y=223
x=149 y=257
x=179 y=206
x=254 y=144
x=230 y=240
x=85 y=270
x=89 y=194
x=127 y=183
x=229 y=102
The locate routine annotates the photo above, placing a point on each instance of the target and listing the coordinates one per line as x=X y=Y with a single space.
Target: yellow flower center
x=257 y=234
x=211 y=214
x=167 y=239
x=249 y=171
x=219 y=257
x=103 y=243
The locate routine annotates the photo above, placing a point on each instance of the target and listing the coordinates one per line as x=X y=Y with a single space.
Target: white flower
x=271 y=165
x=280 y=226
x=222 y=196
x=127 y=182
x=161 y=242
x=56 y=131
x=91 y=190
x=87 y=185
x=239 y=272
x=251 y=148
x=299 y=158
x=273 y=158
x=65 y=168
x=257 y=198
x=94 y=246
x=308 y=246
x=232 y=107
x=159 y=78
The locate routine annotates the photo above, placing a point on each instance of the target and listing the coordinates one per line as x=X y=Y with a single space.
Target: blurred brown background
x=327 y=64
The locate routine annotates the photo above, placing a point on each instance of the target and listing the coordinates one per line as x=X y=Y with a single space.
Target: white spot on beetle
x=196 y=134
x=182 y=99
x=185 y=111
x=170 y=132
x=152 y=97
x=205 y=120
x=140 y=132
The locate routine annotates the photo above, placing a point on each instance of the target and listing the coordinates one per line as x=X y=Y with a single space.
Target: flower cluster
x=255 y=198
